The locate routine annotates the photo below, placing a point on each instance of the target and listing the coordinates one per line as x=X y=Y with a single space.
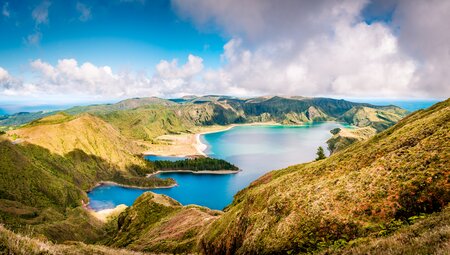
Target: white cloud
x=40 y=16
x=325 y=48
x=424 y=34
x=40 y=13
x=5 y=10
x=34 y=39
x=296 y=47
x=85 y=12
x=70 y=77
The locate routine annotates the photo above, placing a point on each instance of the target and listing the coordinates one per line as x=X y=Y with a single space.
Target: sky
x=74 y=51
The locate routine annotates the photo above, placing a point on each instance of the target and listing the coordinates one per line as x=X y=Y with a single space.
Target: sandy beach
x=185 y=145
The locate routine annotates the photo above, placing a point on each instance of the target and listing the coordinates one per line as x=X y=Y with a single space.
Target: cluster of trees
x=196 y=164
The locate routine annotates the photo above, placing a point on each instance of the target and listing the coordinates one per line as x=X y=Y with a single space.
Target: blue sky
x=119 y=34
x=79 y=51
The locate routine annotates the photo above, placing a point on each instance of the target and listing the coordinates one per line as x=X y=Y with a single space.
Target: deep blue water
x=254 y=149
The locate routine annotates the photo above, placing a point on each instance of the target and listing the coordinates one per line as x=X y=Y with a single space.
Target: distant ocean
x=410 y=105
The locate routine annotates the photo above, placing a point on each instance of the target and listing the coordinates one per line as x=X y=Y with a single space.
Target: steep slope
x=47 y=166
x=358 y=192
x=62 y=134
x=157 y=223
x=147 y=122
x=426 y=235
x=378 y=118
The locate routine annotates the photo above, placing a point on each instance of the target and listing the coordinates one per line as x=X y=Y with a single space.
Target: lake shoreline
x=200 y=147
x=196 y=172
x=111 y=183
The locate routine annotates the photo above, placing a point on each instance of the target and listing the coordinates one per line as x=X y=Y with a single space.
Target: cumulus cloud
x=322 y=47
x=85 y=12
x=69 y=76
x=307 y=48
x=423 y=33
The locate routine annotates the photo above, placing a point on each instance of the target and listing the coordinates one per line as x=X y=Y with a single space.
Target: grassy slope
x=157 y=223
x=62 y=134
x=12 y=243
x=430 y=235
x=45 y=175
x=358 y=192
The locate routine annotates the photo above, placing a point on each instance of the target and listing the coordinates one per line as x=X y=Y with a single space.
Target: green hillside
x=47 y=167
x=157 y=223
x=367 y=190
x=148 y=121
x=148 y=118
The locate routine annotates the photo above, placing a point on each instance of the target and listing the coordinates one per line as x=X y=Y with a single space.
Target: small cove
x=256 y=150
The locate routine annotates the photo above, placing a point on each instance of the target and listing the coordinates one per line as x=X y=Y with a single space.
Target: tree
x=320 y=153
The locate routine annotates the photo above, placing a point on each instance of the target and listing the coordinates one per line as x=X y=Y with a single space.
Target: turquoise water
x=169 y=158
x=254 y=149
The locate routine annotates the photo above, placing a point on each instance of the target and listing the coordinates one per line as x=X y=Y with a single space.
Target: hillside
x=63 y=133
x=367 y=190
x=147 y=118
x=148 y=121
x=157 y=223
x=12 y=243
x=47 y=166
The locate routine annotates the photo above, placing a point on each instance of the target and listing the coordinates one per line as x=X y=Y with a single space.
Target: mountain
x=148 y=118
x=122 y=105
x=146 y=122
x=369 y=189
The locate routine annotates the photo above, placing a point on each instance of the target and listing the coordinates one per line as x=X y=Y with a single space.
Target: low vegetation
x=159 y=224
x=195 y=164
x=371 y=189
x=13 y=243
x=426 y=234
x=47 y=167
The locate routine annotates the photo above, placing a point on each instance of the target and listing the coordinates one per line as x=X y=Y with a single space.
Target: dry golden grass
x=12 y=243
x=87 y=133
